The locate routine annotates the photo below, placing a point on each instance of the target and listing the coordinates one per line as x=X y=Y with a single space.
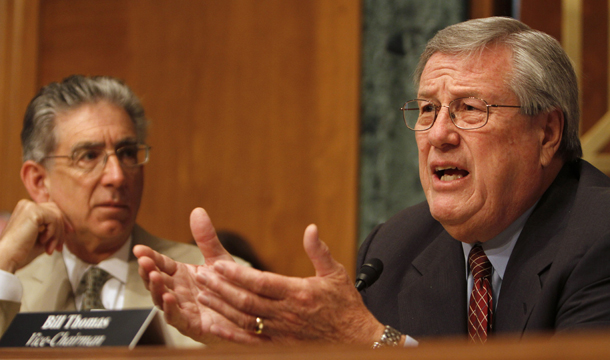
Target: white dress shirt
x=498 y=251
x=113 y=292
x=10 y=287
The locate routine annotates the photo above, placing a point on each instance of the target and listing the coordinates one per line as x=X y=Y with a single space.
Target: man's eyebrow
x=426 y=96
x=87 y=144
x=99 y=144
x=128 y=141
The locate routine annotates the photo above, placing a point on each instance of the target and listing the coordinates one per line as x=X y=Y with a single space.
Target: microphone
x=369 y=273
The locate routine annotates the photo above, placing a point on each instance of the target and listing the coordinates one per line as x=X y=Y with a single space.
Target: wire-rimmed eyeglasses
x=466 y=113
x=87 y=158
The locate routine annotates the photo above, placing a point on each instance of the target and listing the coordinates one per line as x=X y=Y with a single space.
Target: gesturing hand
x=325 y=307
x=174 y=289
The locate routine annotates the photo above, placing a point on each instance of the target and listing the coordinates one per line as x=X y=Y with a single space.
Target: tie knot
x=479 y=263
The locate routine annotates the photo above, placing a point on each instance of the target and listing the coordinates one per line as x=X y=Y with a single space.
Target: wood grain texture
x=18 y=54
x=543 y=15
x=594 y=79
x=585 y=345
x=254 y=108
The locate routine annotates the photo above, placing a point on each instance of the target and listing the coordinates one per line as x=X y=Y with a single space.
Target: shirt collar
x=116 y=265
x=499 y=249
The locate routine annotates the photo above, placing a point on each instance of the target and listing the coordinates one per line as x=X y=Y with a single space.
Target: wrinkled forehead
x=477 y=58
x=489 y=70
x=97 y=123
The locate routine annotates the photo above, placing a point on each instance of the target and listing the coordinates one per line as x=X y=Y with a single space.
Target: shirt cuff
x=10 y=287
x=410 y=342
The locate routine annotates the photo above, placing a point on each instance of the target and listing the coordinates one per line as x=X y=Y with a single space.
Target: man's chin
x=113 y=229
x=456 y=223
x=120 y=213
x=448 y=214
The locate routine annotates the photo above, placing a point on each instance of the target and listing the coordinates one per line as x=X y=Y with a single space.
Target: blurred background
x=271 y=114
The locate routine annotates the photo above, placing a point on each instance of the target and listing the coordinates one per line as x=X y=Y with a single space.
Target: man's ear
x=552 y=125
x=34 y=177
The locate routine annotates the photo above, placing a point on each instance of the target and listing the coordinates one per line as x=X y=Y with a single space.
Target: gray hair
x=38 y=136
x=542 y=77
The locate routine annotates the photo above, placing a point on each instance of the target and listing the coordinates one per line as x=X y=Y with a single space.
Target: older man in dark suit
x=513 y=237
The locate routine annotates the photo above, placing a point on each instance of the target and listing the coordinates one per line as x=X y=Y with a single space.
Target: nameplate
x=84 y=329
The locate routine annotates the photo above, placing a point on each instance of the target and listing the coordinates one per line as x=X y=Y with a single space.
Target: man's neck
x=95 y=250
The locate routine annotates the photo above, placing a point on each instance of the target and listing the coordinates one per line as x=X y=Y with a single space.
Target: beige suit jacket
x=47 y=287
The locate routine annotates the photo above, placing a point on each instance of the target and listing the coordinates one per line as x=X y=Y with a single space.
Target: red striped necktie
x=481 y=306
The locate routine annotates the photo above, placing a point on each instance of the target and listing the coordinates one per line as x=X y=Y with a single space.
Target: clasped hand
x=32 y=230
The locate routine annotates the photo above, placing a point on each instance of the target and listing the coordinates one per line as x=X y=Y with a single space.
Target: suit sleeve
x=11 y=292
x=8 y=310
x=585 y=302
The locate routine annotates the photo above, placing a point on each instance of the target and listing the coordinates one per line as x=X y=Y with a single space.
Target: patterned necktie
x=481 y=306
x=91 y=288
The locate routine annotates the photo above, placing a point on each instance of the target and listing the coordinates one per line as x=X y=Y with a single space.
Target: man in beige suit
x=83 y=150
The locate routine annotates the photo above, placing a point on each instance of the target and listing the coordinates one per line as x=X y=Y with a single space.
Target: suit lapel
x=533 y=255
x=522 y=285
x=136 y=295
x=435 y=286
x=41 y=297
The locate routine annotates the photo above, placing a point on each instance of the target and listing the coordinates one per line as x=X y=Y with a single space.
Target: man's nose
x=113 y=172
x=443 y=132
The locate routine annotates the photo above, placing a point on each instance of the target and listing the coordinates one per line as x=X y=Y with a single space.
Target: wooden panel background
x=254 y=108
x=18 y=49
x=582 y=28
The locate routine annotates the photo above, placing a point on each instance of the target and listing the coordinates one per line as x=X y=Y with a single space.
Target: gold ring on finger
x=259 y=326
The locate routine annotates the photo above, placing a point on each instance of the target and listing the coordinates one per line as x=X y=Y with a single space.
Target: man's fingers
x=262 y=283
x=205 y=236
x=52 y=245
x=207 y=320
x=163 y=263
x=242 y=337
x=240 y=328
x=142 y=250
x=51 y=220
x=242 y=320
x=51 y=235
x=146 y=266
x=238 y=297
x=158 y=288
x=172 y=313
x=318 y=252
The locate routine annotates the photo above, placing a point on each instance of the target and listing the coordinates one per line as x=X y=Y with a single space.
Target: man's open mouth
x=449 y=173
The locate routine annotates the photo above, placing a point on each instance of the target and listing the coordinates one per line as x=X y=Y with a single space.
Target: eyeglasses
x=466 y=113
x=88 y=158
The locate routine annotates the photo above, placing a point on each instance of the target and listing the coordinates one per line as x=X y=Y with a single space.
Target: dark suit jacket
x=557 y=277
